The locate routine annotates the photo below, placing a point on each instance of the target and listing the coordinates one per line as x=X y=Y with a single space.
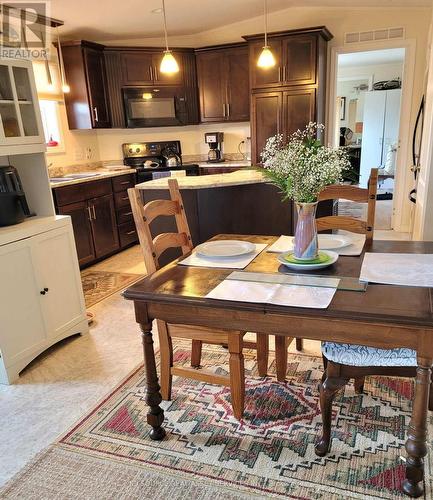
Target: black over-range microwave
x=154 y=106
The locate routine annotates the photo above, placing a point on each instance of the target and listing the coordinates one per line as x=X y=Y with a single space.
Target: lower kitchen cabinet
x=104 y=230
x=80 y=215
x=41 y=295
x=101 y=216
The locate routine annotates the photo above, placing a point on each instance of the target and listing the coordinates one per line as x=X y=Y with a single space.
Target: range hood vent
x=374 y=35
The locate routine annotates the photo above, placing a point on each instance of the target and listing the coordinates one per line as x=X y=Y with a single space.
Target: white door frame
x=403 y=177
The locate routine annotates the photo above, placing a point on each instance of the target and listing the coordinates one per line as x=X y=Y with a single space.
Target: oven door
x=154 y=107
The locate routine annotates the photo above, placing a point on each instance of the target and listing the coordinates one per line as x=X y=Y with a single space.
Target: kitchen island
x=241 y=202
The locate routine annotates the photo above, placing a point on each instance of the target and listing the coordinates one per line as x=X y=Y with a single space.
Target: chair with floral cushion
x=346 y=361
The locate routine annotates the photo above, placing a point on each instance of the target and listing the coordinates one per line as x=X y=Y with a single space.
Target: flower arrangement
x=303 y=167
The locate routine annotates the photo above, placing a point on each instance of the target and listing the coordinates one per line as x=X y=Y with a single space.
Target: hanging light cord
x=165 y=25
x=266 y=21
x=62 y=69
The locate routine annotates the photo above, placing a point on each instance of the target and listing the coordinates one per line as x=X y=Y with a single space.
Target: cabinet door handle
x=95 y=112
x=130 y=232
x=151 y=72
x=128 y=213
x=94 y=213
x=90 y=213
x=156 y=74
x=125 y=198
x=126 y=182
x=285 y=73
x=279 y=73
x=224 y=110
x=228 y=109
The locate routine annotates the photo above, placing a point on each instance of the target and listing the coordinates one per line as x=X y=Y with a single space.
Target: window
x=51 y=122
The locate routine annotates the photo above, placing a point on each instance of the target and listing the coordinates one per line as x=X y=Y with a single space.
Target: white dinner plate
x=225 y=248
x=333 y=241
x=308 y=267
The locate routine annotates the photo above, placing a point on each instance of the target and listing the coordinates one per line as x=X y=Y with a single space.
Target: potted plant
x=301 y=168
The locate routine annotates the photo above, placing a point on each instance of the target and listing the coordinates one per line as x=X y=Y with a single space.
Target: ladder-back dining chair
x=153 y=248
x=355 y=194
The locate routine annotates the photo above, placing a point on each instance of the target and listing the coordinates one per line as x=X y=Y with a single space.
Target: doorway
x=368 y=104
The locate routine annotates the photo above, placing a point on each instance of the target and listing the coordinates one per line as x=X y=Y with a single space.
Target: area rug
x=208 y=454
x=98 y=285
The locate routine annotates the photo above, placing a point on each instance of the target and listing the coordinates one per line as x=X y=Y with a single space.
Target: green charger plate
x=323 y=258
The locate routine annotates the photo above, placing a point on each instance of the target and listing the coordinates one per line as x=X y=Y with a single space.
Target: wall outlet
x=89 y=153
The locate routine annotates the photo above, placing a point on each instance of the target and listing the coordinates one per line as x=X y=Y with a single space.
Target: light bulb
x=66 y=88
x=168 y=64
x=266 y=59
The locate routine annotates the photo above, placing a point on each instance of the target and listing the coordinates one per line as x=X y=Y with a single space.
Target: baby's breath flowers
x=302 y=167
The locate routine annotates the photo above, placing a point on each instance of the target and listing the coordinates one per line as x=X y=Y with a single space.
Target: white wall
x=191 y=137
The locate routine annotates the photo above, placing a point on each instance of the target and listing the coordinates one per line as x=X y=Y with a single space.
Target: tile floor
x=61 y=385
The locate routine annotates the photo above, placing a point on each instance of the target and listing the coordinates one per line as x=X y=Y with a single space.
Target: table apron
x=372 y=334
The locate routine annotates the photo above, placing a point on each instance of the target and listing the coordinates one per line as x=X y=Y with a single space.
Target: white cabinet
x=20 y=121
x=41 y=297
x=380 y=129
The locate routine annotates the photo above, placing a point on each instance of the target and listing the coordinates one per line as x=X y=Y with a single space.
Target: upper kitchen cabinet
x=20 y=122
x=132 y=69
x=223 y=76
x=87 y=104
x=141 y=67
x=299 y=55
x=293 y=91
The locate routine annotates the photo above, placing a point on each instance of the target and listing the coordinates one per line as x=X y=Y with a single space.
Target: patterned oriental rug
x=207 y=454
x=98 y=285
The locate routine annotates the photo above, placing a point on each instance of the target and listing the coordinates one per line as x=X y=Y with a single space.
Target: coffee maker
x=214 y=140
x=13 y=203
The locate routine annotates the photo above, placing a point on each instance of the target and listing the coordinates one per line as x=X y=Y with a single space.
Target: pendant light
x=65 y=87
x=266 y=58
x=168 y=64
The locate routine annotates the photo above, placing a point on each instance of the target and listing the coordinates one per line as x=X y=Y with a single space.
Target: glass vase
x=306 y=244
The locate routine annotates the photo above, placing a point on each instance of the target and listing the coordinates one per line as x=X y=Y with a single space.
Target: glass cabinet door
x=19 y=122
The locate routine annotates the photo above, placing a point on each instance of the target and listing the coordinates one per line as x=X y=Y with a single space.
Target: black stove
x=152 y=158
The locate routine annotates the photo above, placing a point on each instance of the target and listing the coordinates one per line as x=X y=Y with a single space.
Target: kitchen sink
x=74 y=177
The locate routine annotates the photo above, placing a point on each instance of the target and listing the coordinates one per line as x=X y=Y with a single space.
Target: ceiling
x=371 y=57
x=105 y=20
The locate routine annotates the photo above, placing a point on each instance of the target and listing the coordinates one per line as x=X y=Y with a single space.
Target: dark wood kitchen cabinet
x=91 y=206
x=87 y=105
x=104 y=230
x=288 y=96
x=223 y=77
x=80 y=216
x=141 y=67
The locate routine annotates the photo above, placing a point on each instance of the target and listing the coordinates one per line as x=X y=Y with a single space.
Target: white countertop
x=237 y=178
x=102 y=174
x=229 y=164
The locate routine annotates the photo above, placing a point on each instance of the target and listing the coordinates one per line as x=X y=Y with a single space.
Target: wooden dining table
x=383 y=316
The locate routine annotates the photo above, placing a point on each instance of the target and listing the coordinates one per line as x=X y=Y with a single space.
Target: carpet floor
x=208 y=454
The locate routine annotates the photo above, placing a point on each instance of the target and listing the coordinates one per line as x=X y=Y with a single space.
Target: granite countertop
x=101 y=174
x=234 y=163
x=237 y=178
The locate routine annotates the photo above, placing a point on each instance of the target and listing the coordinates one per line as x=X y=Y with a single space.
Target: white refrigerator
x=381 y=125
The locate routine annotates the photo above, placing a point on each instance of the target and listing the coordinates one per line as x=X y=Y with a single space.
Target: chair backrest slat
x=356 y=194
x=152 y=248
x=156 y=208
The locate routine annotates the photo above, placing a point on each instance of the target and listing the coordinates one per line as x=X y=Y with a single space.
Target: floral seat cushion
x=359 y=355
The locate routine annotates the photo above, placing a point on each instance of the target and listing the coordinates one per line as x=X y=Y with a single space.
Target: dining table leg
x=416 y=443
x=155 y=415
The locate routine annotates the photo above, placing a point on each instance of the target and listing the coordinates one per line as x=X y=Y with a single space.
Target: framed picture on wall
x=342 y=108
